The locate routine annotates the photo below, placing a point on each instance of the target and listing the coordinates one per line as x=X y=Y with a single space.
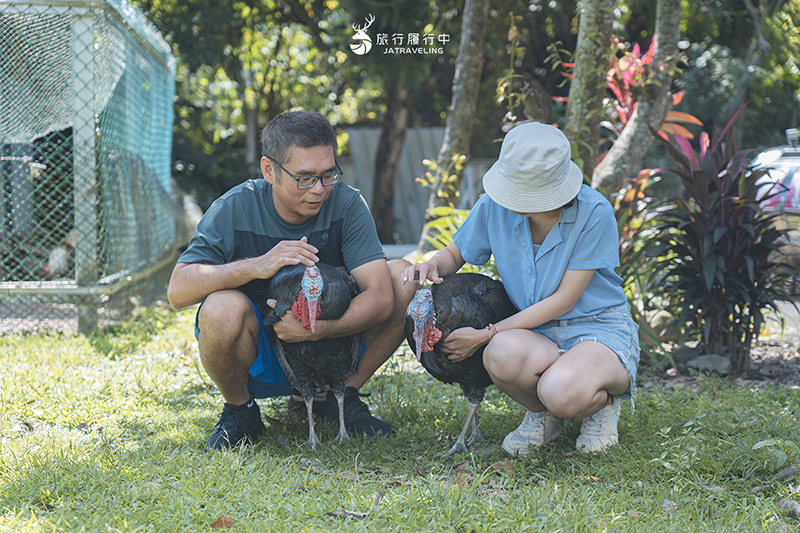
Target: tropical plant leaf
x=680 y=116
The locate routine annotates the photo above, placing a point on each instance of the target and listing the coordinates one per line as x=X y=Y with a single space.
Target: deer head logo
x=363 y=42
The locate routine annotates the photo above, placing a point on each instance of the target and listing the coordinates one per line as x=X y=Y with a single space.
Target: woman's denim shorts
x=613 y=327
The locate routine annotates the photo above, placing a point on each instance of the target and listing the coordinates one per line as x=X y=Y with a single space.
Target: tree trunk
x=387 y=160
x=460 y=116
x=251 y=137
x=592 y=54
x=627 y=152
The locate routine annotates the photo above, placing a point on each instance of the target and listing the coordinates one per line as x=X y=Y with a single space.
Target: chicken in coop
x=461 y=300
x=321 y=292
x=61 y=259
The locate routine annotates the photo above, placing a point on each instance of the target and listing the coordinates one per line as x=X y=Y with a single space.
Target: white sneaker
x=599 y=431
x=536 y=429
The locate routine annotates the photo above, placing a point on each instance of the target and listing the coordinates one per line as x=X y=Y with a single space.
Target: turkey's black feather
x=325 y=363
x=463 y=300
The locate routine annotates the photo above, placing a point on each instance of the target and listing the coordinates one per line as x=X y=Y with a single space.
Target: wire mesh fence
x=86 y=220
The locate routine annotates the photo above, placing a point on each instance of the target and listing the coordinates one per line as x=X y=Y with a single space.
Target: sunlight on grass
x=105 y=434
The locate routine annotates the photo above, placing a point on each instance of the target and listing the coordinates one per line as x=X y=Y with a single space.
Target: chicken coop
x=87 y=229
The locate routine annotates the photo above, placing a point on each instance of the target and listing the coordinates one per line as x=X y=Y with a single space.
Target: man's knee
x=403 y=293
x=227 y=313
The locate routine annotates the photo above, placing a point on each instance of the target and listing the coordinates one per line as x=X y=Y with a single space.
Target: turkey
x=320 y=292
x=461 y=300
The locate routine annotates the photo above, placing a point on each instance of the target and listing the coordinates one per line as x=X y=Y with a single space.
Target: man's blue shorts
x=267 y=378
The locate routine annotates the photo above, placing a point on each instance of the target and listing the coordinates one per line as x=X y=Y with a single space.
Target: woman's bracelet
x=492 y=331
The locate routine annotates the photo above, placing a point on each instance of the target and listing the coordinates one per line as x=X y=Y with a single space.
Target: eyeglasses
x=306 y=182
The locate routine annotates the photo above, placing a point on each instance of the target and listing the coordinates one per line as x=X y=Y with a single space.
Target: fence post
x=84 y=165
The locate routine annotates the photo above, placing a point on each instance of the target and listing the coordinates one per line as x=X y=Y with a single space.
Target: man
x=298 y=213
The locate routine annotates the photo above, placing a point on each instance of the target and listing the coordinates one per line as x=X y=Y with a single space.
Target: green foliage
x=446 y=220
x=714 y=253
x=97 y=444
x=636 y=212
x=511 y=85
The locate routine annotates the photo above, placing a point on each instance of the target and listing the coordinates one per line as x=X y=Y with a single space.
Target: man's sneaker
x=536 y=429
x=599 y=431
x=237 y=423
x=357 y=417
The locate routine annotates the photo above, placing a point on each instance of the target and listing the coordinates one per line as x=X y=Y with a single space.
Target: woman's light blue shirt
x=584 y=238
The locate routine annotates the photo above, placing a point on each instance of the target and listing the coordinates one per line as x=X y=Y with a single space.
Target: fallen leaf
x=23 y=426
x=392 y=484
x=46 y=506
x=273 y=421
x=283 y=441
x=224 y=520
x=504 y=466
x=418 y=472
x=385 y=469
x=590 y=478
x=355 y=515
x=786 y=473
x=790 y=507
x=761 y=488
x=299 y=487
x=718 y=490
x=669 y=506
x=378 y=497
x=83 y=426
x=462 y=466
x=487 y=450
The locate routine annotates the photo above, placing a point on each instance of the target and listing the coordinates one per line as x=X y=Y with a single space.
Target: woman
x=572 y=350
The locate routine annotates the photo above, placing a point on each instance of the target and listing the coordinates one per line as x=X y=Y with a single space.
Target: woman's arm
x=463 y=342
x=445 y=262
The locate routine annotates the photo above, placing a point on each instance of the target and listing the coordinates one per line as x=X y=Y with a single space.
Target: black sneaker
x=237 y=423
x=357 y=417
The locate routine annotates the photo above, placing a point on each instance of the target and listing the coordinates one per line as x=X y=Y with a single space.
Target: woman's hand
x=421 y=271
x=464 y=342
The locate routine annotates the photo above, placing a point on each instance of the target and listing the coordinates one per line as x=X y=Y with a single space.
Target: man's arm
x=192 y=282
x=372 y=305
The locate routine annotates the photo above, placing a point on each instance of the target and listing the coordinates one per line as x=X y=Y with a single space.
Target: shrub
x=711 y=254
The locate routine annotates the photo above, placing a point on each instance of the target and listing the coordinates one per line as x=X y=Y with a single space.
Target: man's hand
x=286 y=253
x=289 y=329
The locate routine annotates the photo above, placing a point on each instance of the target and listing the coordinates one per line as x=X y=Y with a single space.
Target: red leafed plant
x=628 y=73
x=714 y=251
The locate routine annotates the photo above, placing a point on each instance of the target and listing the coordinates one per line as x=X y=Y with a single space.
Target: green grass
x=105 y=434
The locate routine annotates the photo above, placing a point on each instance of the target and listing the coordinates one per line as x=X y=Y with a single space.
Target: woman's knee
x=557 y=392
x=508 y=360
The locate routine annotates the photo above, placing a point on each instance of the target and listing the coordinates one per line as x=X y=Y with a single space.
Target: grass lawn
x=105 y=434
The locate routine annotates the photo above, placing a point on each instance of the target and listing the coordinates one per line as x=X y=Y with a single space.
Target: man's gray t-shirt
x=243 y=223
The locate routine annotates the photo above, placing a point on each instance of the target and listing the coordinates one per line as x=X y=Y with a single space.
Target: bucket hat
x=534 y=172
